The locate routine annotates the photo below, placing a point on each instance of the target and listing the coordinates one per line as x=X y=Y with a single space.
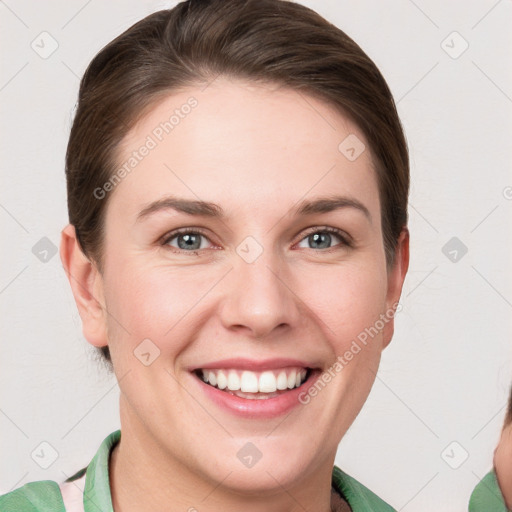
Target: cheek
x=154 y=302
x=167 y=304
x=348 y=299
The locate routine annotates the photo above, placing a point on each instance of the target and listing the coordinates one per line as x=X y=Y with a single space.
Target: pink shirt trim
x=73 y=494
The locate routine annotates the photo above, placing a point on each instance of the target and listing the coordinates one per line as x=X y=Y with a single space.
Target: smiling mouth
x=255 y=385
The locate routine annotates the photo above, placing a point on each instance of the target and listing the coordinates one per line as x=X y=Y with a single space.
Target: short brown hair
x=272 y=41
x=508 y=416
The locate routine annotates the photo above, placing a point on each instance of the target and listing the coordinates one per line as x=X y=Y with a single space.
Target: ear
x=396 y=277
x=87 y=287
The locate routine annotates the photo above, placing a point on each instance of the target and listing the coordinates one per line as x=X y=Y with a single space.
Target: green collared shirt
x=487 y=496
x=88 y=490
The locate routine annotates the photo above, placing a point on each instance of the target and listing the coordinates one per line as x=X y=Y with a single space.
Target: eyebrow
x=212 y=210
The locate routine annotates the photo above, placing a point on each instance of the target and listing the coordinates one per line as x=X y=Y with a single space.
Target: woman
x=237 y=191
x=494 y=492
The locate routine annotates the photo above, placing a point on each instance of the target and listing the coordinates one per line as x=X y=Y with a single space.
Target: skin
x=256 y=150
x=503 y=464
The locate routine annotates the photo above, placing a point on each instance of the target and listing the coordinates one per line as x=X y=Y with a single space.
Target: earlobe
x=396 y=277
x=87 y=287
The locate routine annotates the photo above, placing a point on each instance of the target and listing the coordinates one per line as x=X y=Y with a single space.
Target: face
x=503 y=464
x=268 y=288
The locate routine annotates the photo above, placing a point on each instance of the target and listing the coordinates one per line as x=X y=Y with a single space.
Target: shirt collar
x=97 y=497
x=487 y=495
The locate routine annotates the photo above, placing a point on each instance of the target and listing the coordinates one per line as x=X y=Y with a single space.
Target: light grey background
x=444 y=378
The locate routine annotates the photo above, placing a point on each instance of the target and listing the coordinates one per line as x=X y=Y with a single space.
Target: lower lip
x=262 y=408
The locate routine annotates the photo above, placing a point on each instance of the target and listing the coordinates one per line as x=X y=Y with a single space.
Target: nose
x=259 y=298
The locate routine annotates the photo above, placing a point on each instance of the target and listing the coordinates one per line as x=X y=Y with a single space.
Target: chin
x=268 y=480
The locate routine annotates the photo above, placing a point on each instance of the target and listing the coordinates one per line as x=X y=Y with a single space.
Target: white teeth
x=267 y=382
x=233 y=381
x=282 y=381
x=255 y=382
x=291 y=379
x=222 y=380
x=249 y=382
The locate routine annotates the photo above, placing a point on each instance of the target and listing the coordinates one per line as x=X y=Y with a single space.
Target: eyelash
x=344 y=237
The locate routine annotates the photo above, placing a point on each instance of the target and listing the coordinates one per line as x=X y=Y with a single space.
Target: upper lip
x=252 y=364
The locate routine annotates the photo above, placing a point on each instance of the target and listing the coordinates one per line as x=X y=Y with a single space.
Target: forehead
x=244 y=144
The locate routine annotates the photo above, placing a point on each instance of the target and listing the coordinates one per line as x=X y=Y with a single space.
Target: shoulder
x=487 y=495
x=359 y=497
x=41 y=496
x=51 y=496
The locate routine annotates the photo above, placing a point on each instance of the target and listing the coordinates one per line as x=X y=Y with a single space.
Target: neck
x=144 y=478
